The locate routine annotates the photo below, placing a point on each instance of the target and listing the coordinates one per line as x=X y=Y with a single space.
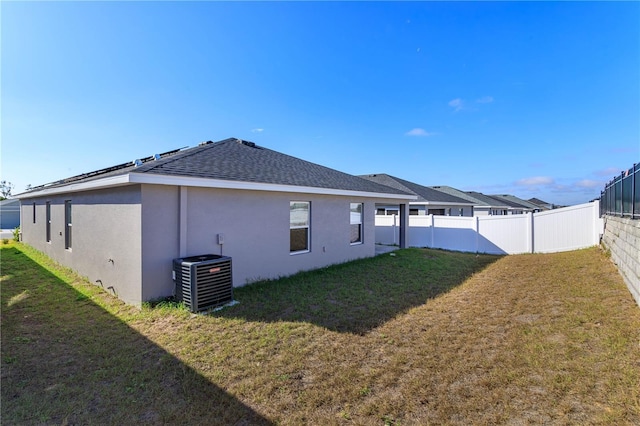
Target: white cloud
x=535 y=181
x=485 y=100
x=257 y=130
x=457 y=104
x=419 y=132
x=588 y=183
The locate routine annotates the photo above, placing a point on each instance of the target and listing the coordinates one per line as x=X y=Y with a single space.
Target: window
x=67 y=221
x=34 y=212
x=299 y=226
x=414 y=212
x=356 y=210
x=392 y=212
x=436 y=212
x=380 y=211
x=48 y=221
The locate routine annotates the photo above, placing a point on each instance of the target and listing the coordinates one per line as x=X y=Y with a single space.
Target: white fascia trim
x=153 y=179
x=108 y=182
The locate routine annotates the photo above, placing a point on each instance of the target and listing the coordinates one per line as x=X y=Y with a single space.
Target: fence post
x=530 y=224
x=622 y=194
x=433 y=229
x=597 y=221
x=393 y=229
x=477 y=220
x=633 y=191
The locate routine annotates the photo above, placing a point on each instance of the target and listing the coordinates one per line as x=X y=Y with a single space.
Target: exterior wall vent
x=203 y=282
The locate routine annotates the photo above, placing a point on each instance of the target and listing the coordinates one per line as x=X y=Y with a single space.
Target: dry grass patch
x=424 y=337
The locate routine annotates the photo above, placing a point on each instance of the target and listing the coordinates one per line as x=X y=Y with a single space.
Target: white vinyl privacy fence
x=569 y=228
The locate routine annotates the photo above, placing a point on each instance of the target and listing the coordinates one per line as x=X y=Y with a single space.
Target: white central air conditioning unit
x=203 y=282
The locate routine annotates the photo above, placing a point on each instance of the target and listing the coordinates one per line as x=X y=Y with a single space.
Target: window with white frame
x=356 y=211
x=299 y=226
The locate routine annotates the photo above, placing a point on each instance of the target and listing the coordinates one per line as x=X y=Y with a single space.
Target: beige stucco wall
x=106 y=231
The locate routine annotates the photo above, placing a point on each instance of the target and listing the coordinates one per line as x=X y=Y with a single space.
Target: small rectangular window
x=48 y=221
x=34 y=212
x=356 y=210
x=67 y=221
x=299 y=225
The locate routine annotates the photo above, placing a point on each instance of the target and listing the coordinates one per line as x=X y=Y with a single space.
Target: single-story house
x=542 y=204
x=428 y=201
x=273 y=214
x=483 y=205
x=9 y=213
x=517 y=205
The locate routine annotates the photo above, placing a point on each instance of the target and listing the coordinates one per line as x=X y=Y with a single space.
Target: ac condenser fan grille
x=204 y=282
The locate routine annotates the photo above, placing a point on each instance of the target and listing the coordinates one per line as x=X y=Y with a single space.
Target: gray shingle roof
x=237 y=160
x=514 y=201
x=489 y=201
x=424 y=193
x=477 y=197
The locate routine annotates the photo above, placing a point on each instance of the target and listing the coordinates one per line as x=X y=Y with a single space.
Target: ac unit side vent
x=203 y=282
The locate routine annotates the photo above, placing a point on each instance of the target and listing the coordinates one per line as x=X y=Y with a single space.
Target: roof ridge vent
x=156 y=157
x=205 y=143
x=137 y=162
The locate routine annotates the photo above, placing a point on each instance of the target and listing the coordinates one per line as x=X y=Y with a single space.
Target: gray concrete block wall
x=622 y=238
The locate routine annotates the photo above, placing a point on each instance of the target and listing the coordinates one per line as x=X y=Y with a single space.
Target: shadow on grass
x=358 y=296
x=65 y=360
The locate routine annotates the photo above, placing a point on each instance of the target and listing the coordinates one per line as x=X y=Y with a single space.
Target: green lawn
x=422 y=337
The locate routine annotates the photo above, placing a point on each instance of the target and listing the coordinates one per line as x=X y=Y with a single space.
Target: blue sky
x=537 y=99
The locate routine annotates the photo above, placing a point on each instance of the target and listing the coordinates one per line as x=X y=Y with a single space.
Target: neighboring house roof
x=489 y=201
x=477 y=198
x=9 y=213
x=425 y=194
x=10 y=204
x=230 y=163
x=540 y=203
x=514 y=201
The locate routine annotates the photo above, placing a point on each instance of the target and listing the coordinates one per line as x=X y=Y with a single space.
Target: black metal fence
x=621 y=196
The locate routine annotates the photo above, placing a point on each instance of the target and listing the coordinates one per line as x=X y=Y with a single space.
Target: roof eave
x=442 y=203
x=108 y=182
x=157 y=179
